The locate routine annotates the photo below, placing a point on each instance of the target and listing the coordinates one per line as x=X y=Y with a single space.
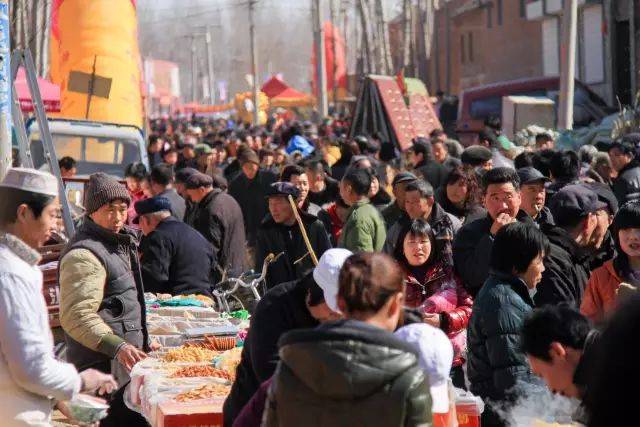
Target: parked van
x=478 y=103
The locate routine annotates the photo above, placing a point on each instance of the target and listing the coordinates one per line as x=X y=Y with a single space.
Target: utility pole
x=567 y=64
x=323 y=109
x=193 y=68
x=254 y=61
x=5 y=91
x=334 y=50
x=210 y=75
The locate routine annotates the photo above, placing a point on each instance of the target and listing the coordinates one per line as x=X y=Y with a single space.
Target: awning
x=49 y=92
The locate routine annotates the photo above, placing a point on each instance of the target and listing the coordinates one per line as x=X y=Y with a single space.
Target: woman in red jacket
x=434 y=288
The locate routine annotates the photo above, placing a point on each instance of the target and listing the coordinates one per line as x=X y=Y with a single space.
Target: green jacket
x=347 y=374
x=364 y=230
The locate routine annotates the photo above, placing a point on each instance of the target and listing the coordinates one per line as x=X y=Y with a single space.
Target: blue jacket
x=495 y=363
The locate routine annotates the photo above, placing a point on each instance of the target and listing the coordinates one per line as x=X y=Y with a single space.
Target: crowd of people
x=490 y=267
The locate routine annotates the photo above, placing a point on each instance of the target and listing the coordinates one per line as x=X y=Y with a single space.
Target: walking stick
x=302 y=230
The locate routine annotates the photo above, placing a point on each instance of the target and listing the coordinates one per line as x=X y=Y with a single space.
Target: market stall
x=186 y=382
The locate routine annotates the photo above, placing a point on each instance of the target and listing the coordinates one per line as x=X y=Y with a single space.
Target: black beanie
x=101 y=190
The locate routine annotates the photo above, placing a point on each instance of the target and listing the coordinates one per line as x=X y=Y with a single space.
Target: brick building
x=476 y=42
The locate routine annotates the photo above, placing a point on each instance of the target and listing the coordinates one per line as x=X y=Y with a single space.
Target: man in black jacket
x=176 y=259
x=533 y=195
x=627 y=185
x=421 y=158
x=219 y=219
x=279 y=232
x=473 y=243
x=161 y=180
x=567 y=265
x=249 y=189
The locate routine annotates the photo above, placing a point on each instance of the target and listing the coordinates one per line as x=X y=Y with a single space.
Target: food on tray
x=214 y=343
x=189 y=354
x=207 y=391
x=229 y=360
x=201 y=371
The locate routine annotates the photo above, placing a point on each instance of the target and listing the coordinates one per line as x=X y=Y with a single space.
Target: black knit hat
x=101 y=190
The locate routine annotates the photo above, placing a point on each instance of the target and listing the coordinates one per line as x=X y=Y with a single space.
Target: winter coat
x=392 y=213
x=347 y=373
x=495 y=362
x=251 y=196
x=472 y=251
x=627 y=185
x=600 y=297
x=381 y=200
x=30 y=375
x=177 y=260
x=327 y=196
x=556 y=186
x=566 y=270
x=544 y=219
x=466 y=214
x=280 y=310
x=219 y=219
x=439 y=281
x=251 y=414
x=364 y=230
x=295 y=263
x=432 y=172
x=178 y=205
x=444 y=225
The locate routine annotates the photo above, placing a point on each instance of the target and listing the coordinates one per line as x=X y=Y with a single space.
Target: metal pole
x=254 y=62
x=210 y=75
x=323 y=109
x=5 y=90
x=568 y=64
x=194 y=67
x=47 y=140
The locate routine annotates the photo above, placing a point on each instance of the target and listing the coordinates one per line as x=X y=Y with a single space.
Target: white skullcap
x=31 y=180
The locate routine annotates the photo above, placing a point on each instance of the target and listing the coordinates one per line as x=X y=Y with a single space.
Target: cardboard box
x=201 y=413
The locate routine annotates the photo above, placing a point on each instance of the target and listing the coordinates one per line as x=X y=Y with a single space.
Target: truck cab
x=96 y=146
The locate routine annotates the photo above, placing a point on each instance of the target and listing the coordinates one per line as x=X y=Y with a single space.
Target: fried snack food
x=214 y=343
x=206 y=391
x=189 y=354
x=201 y=371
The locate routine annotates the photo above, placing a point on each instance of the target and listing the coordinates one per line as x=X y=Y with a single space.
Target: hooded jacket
x=345 y=374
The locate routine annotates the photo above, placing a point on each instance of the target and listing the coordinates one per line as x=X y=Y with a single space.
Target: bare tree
x=384 y=38
x=365 y=22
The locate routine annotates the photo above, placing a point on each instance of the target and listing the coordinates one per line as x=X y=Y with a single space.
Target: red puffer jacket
x=439 y=290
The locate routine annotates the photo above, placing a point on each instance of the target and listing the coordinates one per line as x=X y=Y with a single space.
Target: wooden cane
x=302 y=230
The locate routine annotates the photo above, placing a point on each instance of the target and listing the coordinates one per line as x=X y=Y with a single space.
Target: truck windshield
x=93 y=154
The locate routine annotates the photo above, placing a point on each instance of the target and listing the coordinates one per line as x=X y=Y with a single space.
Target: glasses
x=506 y=197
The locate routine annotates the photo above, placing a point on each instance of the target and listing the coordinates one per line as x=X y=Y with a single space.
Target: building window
x=462 y=48
x=470 y=36
x=523 y=9
x=499 y=12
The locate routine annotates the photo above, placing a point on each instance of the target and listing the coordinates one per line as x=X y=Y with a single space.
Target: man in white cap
x=435 y=355
x=30 y=376
x=292 y=305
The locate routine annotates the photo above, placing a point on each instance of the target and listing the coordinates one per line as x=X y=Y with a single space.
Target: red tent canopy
x=49 y=92
x=276 y=88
